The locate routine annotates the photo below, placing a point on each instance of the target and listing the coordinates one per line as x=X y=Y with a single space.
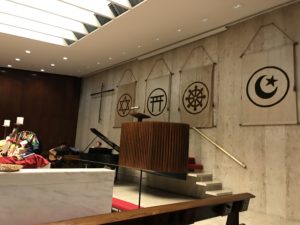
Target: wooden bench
x=122 y=205
x=182 y=213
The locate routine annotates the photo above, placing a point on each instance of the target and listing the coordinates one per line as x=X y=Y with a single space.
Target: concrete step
x=200 y=176
x=210 y=185
x=186 y=187
x=203 y=186
x=221 y=192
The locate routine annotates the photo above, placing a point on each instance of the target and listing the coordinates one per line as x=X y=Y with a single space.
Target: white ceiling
x=151 y=25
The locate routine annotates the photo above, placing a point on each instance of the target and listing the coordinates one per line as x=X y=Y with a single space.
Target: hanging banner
x=268 y=95
x=125 y=100
x=196 y=96
x=157 y=98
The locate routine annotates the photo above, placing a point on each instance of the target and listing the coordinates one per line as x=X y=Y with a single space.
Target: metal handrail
x=220 y=148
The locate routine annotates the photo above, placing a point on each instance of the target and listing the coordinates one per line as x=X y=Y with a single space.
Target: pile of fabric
x=20 y=148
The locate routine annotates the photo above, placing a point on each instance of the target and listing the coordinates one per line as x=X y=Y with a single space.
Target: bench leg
x=233 y=218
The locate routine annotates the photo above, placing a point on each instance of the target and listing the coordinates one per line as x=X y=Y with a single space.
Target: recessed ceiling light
x=139 y=46
x=65 y=58
x=204 y=20
x=98 y=63
x=110 y=58
x=18 y=59
x=178 y=30
x=52 y=64
x=237 y=6
x=42 y=70
x=157 y=39
x=28 y=51
x=9 y=65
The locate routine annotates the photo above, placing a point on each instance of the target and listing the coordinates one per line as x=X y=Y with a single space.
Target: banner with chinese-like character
x=157 y=98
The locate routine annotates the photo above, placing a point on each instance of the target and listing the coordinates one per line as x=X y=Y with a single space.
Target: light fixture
x=97 y=6
x=62 y=9
x=98 y=63
x=157 y=39
x=18 y=59
x=123 y=3
x=237 y=6
x=204 y=20
x=110 y=58
x=15 y=21
x=52 y=64
x=32 y=35
x=27 y=51
x=139 y=46
x=60 y=22
x=9 y=65
x=65 y=58
x=42 y=70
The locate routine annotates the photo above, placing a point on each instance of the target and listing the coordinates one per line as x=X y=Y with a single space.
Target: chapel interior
x=149 y=112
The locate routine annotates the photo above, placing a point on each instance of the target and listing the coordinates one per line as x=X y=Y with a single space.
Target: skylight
x=61 y=22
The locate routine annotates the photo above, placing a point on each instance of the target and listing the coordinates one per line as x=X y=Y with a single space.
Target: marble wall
x=271 y=153
x=36 y=196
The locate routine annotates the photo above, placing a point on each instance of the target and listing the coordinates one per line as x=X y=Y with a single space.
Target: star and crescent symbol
x=267 y=86
x=259 y=91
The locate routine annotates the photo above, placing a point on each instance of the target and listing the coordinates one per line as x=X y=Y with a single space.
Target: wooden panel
x=173 y=214
x=49 y=104
x=157 y=146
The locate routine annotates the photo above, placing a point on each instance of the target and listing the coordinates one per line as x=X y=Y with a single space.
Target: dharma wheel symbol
x=195 y=97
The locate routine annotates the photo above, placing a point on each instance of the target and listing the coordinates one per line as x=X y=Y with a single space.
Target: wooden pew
x=182 y=213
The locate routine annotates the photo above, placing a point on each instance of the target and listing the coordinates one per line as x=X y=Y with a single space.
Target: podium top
x=139 y=116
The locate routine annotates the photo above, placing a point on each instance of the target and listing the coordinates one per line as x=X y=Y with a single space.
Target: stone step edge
x=208 y=183
x=199 y=174
x=219 y=192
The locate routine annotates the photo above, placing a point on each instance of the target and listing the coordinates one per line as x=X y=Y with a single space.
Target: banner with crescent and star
x=268 y=95
x=125 y=100
x=196 y=96
x=157 y=98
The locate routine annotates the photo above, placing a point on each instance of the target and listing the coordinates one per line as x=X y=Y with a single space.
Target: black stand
x=139 y=116
x=140 y=188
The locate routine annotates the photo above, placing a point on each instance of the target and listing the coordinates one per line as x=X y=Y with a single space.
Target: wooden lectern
x=155 y=146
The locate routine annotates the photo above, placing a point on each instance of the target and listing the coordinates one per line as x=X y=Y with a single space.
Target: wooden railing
x=173 y=214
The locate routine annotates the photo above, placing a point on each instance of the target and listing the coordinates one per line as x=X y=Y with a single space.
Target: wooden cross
x=100 y=100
